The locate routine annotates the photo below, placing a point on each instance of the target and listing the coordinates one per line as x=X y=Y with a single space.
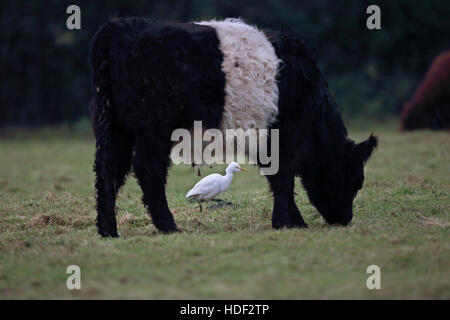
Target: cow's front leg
x=283 y=191
x=280 y=186
x=296 y=219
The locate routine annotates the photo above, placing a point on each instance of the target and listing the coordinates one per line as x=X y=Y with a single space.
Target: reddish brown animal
x=429 y=107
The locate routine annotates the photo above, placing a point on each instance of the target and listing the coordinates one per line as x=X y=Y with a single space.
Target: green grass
x=47 y=223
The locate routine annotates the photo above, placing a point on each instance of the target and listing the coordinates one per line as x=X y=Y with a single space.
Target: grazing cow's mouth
x=339 y=219
x=346 y=221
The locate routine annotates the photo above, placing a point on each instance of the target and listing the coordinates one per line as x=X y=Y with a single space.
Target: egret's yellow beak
x=242 y=169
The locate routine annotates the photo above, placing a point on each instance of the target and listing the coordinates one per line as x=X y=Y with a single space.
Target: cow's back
x=226 y=74
x=165 y=72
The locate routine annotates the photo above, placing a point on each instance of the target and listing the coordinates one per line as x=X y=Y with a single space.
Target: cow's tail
x=100 y=106
x=102 y=122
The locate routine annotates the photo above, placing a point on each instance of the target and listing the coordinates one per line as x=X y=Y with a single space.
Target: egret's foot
x=222 y=204
x=199 y=204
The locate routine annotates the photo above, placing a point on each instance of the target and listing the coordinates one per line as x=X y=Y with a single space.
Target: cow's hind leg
x=151 y=161
x=114 y=150
x=285 y=212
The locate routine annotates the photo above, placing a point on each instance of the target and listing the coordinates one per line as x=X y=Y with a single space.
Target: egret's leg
x=198 y=168
x=200 y=204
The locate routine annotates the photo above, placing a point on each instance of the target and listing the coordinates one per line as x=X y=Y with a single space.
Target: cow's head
x=333 y=186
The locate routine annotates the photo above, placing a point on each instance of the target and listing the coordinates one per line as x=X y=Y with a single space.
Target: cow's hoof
x=280 y=224
x=298 y=226
x=169 y=231
x=168 y=228
x=289 y=225
x=108 y=234
x=297 y=223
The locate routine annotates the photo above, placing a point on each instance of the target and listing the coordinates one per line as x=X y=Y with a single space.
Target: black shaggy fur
x=313 y=141
x=152 y=78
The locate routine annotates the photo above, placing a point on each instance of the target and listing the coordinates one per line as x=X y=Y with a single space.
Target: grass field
x=47 y=217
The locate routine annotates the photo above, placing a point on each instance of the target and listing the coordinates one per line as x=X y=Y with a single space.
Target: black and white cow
x=150 y=78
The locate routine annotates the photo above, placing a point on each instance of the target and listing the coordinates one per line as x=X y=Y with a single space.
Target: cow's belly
x=250 y=66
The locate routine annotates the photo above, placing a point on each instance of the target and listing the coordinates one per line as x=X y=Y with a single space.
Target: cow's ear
x=364 y=149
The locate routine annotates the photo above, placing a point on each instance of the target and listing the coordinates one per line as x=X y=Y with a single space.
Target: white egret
x=213 y=184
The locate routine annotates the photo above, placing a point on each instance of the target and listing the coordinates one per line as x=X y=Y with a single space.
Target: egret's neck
x=227 y=178
x=229 y=175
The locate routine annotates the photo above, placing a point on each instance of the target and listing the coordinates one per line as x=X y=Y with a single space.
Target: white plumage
x=213 y=184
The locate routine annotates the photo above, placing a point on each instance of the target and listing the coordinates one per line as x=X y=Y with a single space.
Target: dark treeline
x=45 y=75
